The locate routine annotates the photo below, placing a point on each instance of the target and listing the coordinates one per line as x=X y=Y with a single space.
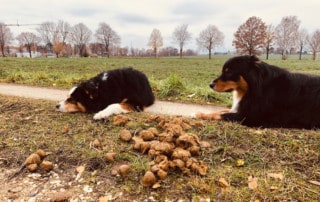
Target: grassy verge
x=174 y=79
x=245 y=164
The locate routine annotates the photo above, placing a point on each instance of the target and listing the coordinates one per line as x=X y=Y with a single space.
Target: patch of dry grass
x=245 y=164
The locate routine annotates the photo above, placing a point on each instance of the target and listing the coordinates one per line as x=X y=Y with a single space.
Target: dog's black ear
x=91 y=88
x=255 y=59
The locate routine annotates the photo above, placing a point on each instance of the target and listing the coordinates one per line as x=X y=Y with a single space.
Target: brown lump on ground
x=170 y=149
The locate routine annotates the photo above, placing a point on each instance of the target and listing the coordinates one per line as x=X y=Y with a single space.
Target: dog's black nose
x=57 y=106
x=211 y=85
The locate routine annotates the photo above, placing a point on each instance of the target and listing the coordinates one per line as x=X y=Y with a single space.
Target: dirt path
x=160 y=107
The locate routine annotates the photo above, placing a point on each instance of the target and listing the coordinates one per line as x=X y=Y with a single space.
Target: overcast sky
x=134 y=20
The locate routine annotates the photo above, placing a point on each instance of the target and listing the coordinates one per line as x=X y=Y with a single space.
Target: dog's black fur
x=126 y=85
x=273 y=97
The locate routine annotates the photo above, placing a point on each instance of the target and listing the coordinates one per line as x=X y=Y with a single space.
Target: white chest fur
x=235 y=101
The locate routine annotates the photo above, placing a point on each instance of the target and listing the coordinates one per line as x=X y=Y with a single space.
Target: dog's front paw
x=198 y=115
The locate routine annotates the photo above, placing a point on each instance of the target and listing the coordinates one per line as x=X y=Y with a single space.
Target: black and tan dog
x=113 y=92
x=267 y=96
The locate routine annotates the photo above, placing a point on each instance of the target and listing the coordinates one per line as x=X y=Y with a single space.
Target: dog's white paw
x=110 y=110
x=100 y=115
x=193 y=115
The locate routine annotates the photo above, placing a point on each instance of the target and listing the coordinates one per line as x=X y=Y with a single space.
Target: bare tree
x=63 y=30
x=60 y=37
x=107 y=36
x=210 y=38
x=58 y=46
x=269 y=39
x=314 y=43
x=250 y=36
x=302 y=41
x=81 y=36
x=6 y=37
x=29 y=40
x=47 y=31
x=155 y=41
x=286 y=34
x=181 y=36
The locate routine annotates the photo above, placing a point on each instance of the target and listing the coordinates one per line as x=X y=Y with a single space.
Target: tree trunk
x=284 y=55
x=209 y=54
x=180 y=52
x=300 y=52
x=107 y=51
x=2 y=50
x=314 y=55
x=155 y=52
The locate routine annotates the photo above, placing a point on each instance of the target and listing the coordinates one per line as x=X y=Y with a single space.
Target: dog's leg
x=213 y=115
x=113 y=109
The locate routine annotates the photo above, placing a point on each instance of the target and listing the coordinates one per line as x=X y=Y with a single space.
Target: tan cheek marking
x=71 y=107
x=81 y=107
x=222 y=86
x=242 y=87
x=127 y=107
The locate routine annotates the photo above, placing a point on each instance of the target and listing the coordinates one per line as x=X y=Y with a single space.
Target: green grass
x=193 y=74
x=28 y=125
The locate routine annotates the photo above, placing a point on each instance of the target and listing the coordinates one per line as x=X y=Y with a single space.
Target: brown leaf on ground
x=252 y=182
x=276 y=175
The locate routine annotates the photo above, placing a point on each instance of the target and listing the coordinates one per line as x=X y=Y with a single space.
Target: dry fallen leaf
x=252 y=182
x=273 y=188
x=223 y=183
x=156 y=185
x=96 y=143
x=80 y=169
x=103 y=199
x=314 y=182
x=276 y=175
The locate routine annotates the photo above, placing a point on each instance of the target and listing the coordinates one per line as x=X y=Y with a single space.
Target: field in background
x=244 y=164
x=173 y=79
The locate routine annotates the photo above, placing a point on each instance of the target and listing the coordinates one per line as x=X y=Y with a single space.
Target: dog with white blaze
x=113 y=92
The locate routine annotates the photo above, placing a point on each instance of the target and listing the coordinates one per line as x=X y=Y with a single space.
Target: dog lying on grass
x=267 y=96
x=113 y=92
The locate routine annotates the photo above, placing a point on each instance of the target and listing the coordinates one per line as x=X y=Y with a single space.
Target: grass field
x=171 y=78
x=244 y=164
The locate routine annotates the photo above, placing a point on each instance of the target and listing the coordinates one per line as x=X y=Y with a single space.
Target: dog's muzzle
x=60 y=106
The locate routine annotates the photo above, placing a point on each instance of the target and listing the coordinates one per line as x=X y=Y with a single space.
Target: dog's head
x=80 y=99
x=235 y=74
